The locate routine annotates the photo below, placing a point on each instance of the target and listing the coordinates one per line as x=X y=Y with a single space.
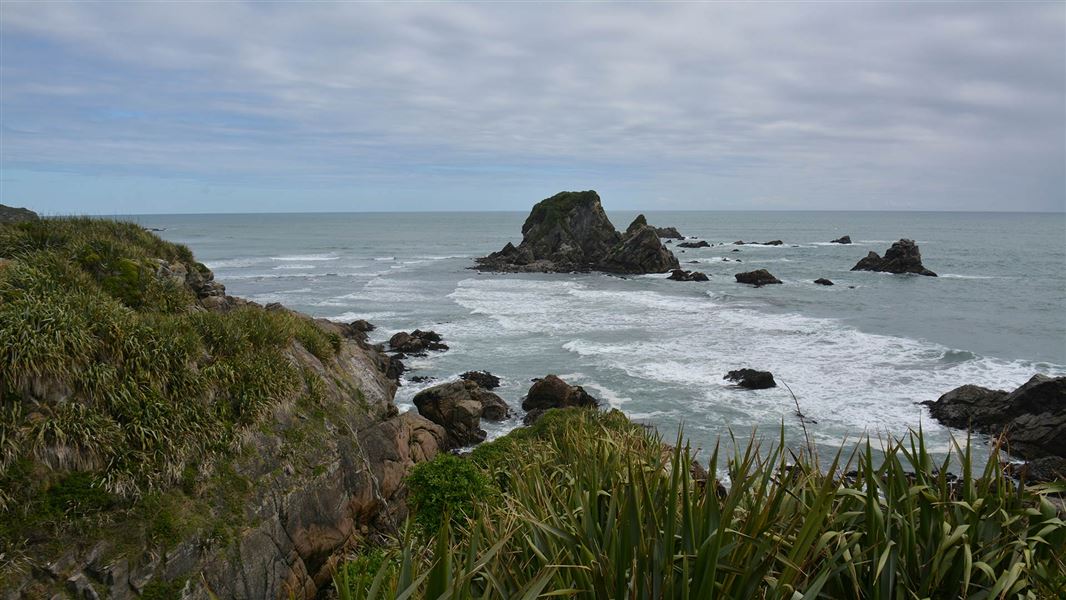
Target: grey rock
x=842 y=240
x=758 y=278
x=552 y=392
x=902 y=257
x=458 y=407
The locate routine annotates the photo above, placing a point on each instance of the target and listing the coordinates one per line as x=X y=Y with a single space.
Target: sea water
x=859 y=356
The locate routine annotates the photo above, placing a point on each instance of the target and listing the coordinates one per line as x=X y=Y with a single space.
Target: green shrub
x=356 y=577
x=447 y=485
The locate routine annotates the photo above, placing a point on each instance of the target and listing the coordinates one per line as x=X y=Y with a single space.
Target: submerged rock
x=682 y=275
x=1032 y=417
x=758 y=278
x=752 y=379
x=552 y=392
x=902 y=257
x=823 y=281
x=458 y=407
x=571 y=232
x=842 y=240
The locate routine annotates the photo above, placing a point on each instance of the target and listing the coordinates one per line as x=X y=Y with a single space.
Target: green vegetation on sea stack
x=115 y=384
x=592 y=506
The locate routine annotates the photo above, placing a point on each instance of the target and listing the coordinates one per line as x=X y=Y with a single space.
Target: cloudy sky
x=195 y=107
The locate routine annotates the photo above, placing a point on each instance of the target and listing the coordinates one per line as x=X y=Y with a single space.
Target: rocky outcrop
x=417 y=342
x=902 y=257
x=571 y=232
x=1032 y=417
x=823 y=281
x=699 y=244
x=11 y=214
x=773 y=243
x=682 y=275
x=552 y=392
x=669 y=233
x=483 y=378
x=842 y=240
x=210 y=294
x=458 y=407
x=758 y=278
x=751 y=379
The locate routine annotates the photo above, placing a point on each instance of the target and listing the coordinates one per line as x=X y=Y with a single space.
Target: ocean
x=860 y=356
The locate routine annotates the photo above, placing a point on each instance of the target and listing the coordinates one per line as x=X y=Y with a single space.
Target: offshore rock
x=823 y=281
x=1032 y=417
x=571 y=232
x=752 y=379
x=902 y=257
x=758 y=278
x=416 y=342
x=842 y=240
x=669 y=233
x=682 y=275
x=699 y=244
x=483 y=378
x=458 y=407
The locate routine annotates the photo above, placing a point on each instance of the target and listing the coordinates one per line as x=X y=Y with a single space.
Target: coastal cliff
x=571 y=232
x=162 y=439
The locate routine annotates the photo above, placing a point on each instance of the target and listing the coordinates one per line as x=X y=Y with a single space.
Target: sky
x=168 y=107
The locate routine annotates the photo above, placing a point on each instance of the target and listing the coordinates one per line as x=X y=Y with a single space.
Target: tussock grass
x=592 y=508
x=111 y=378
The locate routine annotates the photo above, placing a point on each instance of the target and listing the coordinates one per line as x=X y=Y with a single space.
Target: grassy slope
x=589 y=505
x=120 y=399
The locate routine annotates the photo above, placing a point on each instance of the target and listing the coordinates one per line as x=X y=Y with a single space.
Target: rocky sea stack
x=571 y=232
x=902 y=257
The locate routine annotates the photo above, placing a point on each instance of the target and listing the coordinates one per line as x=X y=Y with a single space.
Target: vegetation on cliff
x=116 y=386
x=592 y=506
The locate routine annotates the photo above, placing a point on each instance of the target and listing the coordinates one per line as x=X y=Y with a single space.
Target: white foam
x=233 y=263
x=295 y=267
x=954 y=276
x=306 y=257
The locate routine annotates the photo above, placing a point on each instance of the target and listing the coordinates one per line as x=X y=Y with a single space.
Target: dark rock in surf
x=1032 y=417
x=773 y=243
x=417 y=342
x=571 y=232
x=842 y=240
x=752 y=379
x=458 y=407
x=902 y=257
x=823 y=281
x=552 y=392
x=682 y=275
x=483 y=378
x=699 y=244
x=758 y=278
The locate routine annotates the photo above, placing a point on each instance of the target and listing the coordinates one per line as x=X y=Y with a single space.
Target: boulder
x=758 y=278
x=752 y=379
x=842 y=240
x=11 y=214
x=1040 y=470
x=699 y=244
x=773 y=243
x=823 y=281
x=669 y=233
x=416 y=342
x=571 y=232
x=902 y=257
x=552 y=392
x=681 y=275
x=458 y=407
x=483 y=378
x=1032 y=417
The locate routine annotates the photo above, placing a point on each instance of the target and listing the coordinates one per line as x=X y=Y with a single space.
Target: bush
x=447 y=485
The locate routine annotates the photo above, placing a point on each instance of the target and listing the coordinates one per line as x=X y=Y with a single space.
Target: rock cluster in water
x=1032 y=417
x=682 y=275
x=417 y=342
x=699 y=244
x=571 y=232
x=483 y=378
x=458 y=407
x=902 y=257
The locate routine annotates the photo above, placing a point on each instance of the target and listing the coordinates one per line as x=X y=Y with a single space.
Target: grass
x=595 y=508
x=114 y=385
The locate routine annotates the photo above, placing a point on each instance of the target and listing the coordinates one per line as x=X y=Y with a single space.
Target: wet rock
x=699 y=244
x=738 y=243
x=458 y=407
x=752 y=379
x=902 y=257
x=682 y=275
x=758 y=278
x=483 y=378
x=1041 y=470
x=420 y=379
x=842 y=240
x=773 y=243
x=571 y=232
x=823 y=281
x=416 y=342
x=552 y=392
x=1032 y=417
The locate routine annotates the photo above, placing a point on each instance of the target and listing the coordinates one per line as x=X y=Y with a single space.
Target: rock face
x=752 y=379
x=458 y=407
x=1033 y=416
x=682 y=275
x=11 y=214
x=552 y=392
x=699 y=244
x=902 y=257
x=483 y=378
x=757 y=278
x=571 y=232
x=669 y=233
x=417 y=342
x=823 y=281
x=842 y=240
